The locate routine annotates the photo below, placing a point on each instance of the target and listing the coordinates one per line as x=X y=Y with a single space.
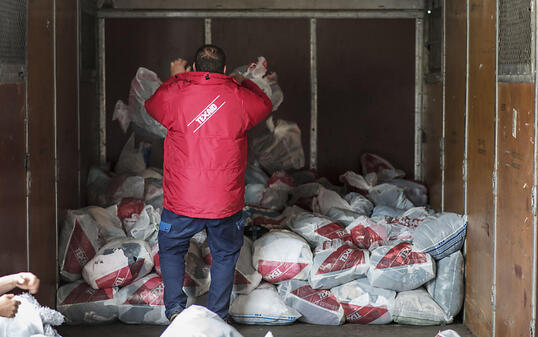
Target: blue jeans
x=225 y=238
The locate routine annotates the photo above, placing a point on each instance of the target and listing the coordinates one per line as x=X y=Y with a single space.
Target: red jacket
x=205 y=150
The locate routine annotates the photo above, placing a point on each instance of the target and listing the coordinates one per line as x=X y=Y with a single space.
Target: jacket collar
x=203 y=77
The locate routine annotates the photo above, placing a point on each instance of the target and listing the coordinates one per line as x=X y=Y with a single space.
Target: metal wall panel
x=433 y=133
x=13 y=178
x=481 y=154
x=42 y=203
x=514 y=216
x=366 y=91
x=150 y=43
x=67 y=106
x=455 y=91
x=285 y=43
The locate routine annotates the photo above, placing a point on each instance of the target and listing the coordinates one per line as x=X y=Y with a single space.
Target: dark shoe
x=174 y=315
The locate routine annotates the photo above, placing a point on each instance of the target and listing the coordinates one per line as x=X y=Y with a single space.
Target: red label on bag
x=408 y=221
x=276 y=271
x=150 y=293
x=364 y=236
x=188 y=281
x=208 y=259
x=240 y=279
x=79 y=251
x=116 y=278
x=334 y=231
x=85 y=294
x=362 y=314
x=136 y=267
x=343 y=258
x=401 y=255
x=157 y=263
x=320 y=297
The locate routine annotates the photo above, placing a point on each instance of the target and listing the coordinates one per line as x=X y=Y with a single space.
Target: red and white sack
x=317 y=229
x=126 y=187
x=411 y=218
x=372 y=163
x=141 y=302
x=110 y=227
x=118 y=263
x=79 y=241
x=356 y=183
x=156 y=261
x=246 y=278
x=80 y=303
x=367 y=233
x=336 y=263
x=359 y=203
x=281 y=255
x=197 y=277
x=262 y=306
x=417 y=307
x=389 y=195
x=414 y=191
x=317 y=306
x=139 y=221
x=400 y=267
x=447 y=333
x=363 y=303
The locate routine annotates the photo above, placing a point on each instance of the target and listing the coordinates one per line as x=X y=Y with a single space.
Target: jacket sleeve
x=255 y=102
x=158 y=105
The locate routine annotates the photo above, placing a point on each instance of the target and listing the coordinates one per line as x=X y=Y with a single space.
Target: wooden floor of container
x=295 y=330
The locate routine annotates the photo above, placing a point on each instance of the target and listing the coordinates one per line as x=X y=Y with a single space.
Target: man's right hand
x=8 y=306
x=178 y=67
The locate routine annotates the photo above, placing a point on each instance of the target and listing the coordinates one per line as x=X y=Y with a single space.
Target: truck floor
x=298 y=329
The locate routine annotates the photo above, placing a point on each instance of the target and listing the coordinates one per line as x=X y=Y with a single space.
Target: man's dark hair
x=210 y=58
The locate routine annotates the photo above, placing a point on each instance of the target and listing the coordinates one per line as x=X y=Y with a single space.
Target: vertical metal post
x=495 y=175
x=207 y=31
x=443 y=131
x=419 y=78
x=102 y=90
x=313 y=95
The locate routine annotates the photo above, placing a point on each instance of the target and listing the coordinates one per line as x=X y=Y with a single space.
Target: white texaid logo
x=206 y=114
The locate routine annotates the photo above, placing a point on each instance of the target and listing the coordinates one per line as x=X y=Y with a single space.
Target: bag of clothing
x=316 y=229
x=447 y=288
x=317 y=306
x=441 y=235
x=367 y=233
x=246 y=278
x=416 y=307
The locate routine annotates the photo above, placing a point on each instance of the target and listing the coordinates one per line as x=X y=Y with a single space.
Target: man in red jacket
x=207 y=115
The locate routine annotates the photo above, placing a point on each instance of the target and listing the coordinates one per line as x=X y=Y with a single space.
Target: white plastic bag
x=447 y=333
x=281 y=255
x=80 y=303
x=143 y=85
x=317 y=306
x=141 y=302
x=447 y=288
x=372 y=163
x=246 y=278
x=356 y=183
x=400 y=267
x=441 y=235
x=255 y=175
x=316 y=198
x=118 y=263
x=139 y=221
x=365 y=304
x=386 y=211
x=197 y=321
x=316 y=229
x=416 y=307
x=109 y=224
x=414 y=191
x=78 y=244
x=390 y=195
x=337 y=262
x=359 y=203
x=343 y=216
x=367 y=233
x=129 y=187
x=262 y=306
x=280 y=147
x=411 y=218
x=132 y=160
